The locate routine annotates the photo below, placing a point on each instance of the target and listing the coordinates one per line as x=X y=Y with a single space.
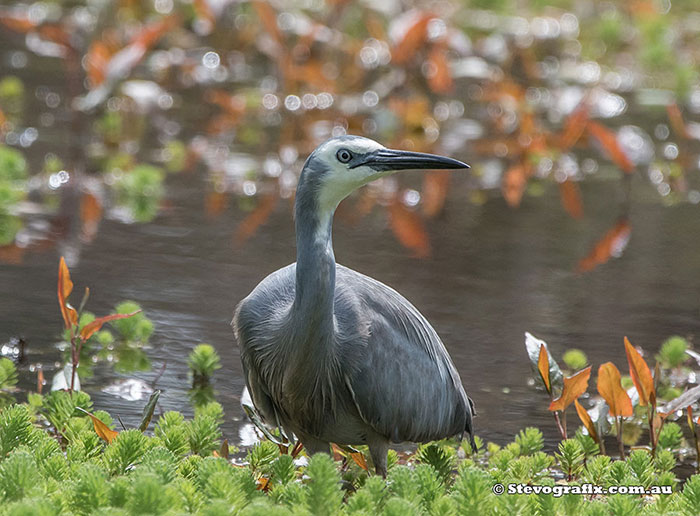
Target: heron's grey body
x=333 y=355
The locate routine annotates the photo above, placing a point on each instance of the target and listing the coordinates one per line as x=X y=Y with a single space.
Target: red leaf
x=640 y=373
x=613 y=243
x=608 y=140
x=514 y=183
x=409 y=229
x=610 y=388
x=413 y=39
x=435 y=186
x=574 y=386
x=571 y=198
x=543 y=367
x=90 y=328
x=439 y=76
x=65 y=287
x=586 y=420
x=255 y=219
x=574 y=127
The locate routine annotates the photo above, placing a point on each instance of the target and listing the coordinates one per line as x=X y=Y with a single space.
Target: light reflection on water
x=494 y=274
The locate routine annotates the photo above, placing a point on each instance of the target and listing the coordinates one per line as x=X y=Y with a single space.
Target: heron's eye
x=344 y=155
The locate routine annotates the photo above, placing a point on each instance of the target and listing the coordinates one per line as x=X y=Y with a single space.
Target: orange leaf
x=676 y=118
x=359 y=459
x=90 y=328
x=435 y=186
x=439 y=76
x=90 y=215
x=610 y=388
x=65 y=287
x=412 y=40
x=268 y=17
x=409 y=229
x=105 y=432
x=263 y=484
x=613 y=243
x=574 y=386
x=608 y=140
x=338 y=454
x=574 y=127
x=543 y=368
x=96 y=62
x=255 y=219
x=586 y=420
x=640 y=373
x=514 y=185
x=571 y=198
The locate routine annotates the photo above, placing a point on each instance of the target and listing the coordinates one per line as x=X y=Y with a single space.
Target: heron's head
x=345 y=163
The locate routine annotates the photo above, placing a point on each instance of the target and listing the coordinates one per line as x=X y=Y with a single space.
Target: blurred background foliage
x=100 y=102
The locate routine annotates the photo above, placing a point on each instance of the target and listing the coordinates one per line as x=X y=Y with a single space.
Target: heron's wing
x=253 y=324
x=402 y=379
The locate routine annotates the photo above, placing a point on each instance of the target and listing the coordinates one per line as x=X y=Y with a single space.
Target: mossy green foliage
x=672 y=352
x=141 y=190
x=67 y=469
x=575 y=359
x=203 y=361
x=13 y=173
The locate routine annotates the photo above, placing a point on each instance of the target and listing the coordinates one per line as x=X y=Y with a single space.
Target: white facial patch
x=341 y=180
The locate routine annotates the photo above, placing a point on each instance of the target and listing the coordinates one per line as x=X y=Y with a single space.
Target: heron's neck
x=315 y=268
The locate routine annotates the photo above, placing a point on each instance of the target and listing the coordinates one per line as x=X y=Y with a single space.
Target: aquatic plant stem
x=618 y=421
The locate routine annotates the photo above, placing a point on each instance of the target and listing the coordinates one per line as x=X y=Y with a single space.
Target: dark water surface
x=494 y=274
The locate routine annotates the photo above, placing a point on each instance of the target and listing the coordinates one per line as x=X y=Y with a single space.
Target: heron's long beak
x=389 y=159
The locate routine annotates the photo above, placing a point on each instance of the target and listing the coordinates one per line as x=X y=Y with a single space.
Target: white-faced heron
x=335 y=356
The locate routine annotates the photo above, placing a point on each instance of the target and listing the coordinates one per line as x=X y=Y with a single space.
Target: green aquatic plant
x=203 y=361
x=673 y=352
x=140 y=190
x=575 y=359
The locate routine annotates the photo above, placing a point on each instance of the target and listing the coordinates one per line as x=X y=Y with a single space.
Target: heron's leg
x=313 y=445
x=378 y=450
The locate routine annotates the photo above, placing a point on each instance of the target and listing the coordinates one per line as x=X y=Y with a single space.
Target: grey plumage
x=332 y=355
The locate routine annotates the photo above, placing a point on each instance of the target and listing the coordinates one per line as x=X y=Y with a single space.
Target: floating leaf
x=610 y=388
x=94 y=326
x=640 y=373
x=148 y=410
x=571 y=198
x=612 y=244
x=533 y=345
x=543 y=368
x=105 y=432
x=574 y=386
x=409 y=229
x=608 y=140
x=65 y=287
x=585 y=418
